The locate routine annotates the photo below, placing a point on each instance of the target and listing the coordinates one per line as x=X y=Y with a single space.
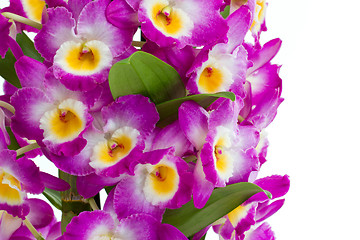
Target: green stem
x=93 y=204
x=21 y=19
x=7 y=106
x=72 y=203
x=27 y=148
x=137 y=43
x=33 y=231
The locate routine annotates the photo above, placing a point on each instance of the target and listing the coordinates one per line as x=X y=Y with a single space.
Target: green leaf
x=27 y=45
x=189 y=220
x=109 y=188
x=54 y=197
x=7 y=68
x=144 y=74
x=168 y=110
x=226 y=12
x=14 y=145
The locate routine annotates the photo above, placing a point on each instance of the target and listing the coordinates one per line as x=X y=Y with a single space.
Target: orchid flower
x=84 y=47
x=226 y=151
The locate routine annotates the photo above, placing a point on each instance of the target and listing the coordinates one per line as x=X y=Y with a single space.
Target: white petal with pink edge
x=65 y=122
x=84 y=58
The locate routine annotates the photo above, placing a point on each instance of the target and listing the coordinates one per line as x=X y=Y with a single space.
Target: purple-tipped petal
x=41 y=213
x=54 y=182
x=30 y=72
x=4 y=35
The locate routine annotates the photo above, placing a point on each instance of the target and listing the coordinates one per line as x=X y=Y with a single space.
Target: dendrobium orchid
x=83 y=47
x=181 y=23
x=173 y=127
x=223 y=67
x=226 y=150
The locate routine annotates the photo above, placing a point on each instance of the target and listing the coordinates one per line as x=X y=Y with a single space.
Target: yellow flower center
x=33 y=9
x=164 y=179
x=10 y=189
x=83 y=58
x=166 y=18
x=211 y=79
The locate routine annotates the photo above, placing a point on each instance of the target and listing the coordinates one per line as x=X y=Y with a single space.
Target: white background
x=315 y=136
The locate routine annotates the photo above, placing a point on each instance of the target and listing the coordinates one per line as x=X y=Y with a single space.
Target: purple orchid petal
x=89 y=225
x=129 y=199
x=4 y=35
x=202 y=188
x=264 y=55
x=277 y=185
x=265 y=211
x=54 y=232
x=59 y=28
x=54 y=182
x=122 y=15
x=89 y=185
x=41 y=213
x=170 y=136
x=263 y=232
x=193 y=120
x=4 y=136
x=93 y=25
x=76 y=6
x=31 y=72
x=239 y=24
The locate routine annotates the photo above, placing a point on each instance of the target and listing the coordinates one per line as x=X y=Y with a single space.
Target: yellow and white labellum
x=161 y=182
x=213 y=77
x=109 y=152
x=238 y=213
x=83 y=58
x=259 y=16
x=10 y=189
x=169 y=20
x=64 y=123
x=33 y=9
x=223 y=160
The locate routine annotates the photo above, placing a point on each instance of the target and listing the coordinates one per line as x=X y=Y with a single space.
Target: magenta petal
x=239 y=24
x=41 y=213
x=122 y=15
x=89 y=185
x=264 y=55
x=193 y=121
x=53 y=182
x=92 y=24
x=31 y=72
x=263 y=232
x=4 y=35
x=202 y=188
x=264 y=212
x=30 y=105
x=83 y=226
x=58 y=29
x=76 y=6
x=129 y=199
x=169 y=232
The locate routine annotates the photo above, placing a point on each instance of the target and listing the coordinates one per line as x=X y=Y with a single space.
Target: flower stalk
x=21 y=19
x=7 y=106
x=32 y=229
x=27 y=148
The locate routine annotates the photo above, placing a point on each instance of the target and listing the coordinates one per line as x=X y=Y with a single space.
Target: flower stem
x=33 y=231
x=27 y=148
x=21 y=19
x=7 y=106
x=93 y=204
x=137 y=43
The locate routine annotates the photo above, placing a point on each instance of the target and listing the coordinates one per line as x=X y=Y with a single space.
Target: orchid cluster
x=172 y=126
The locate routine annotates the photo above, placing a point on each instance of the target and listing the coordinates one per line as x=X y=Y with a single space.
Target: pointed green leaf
x=14 y=145
x=54 y=197
x=27 y=45
x=144 y=74
x=189 y=220
x=7 y=69
x=168 y=110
